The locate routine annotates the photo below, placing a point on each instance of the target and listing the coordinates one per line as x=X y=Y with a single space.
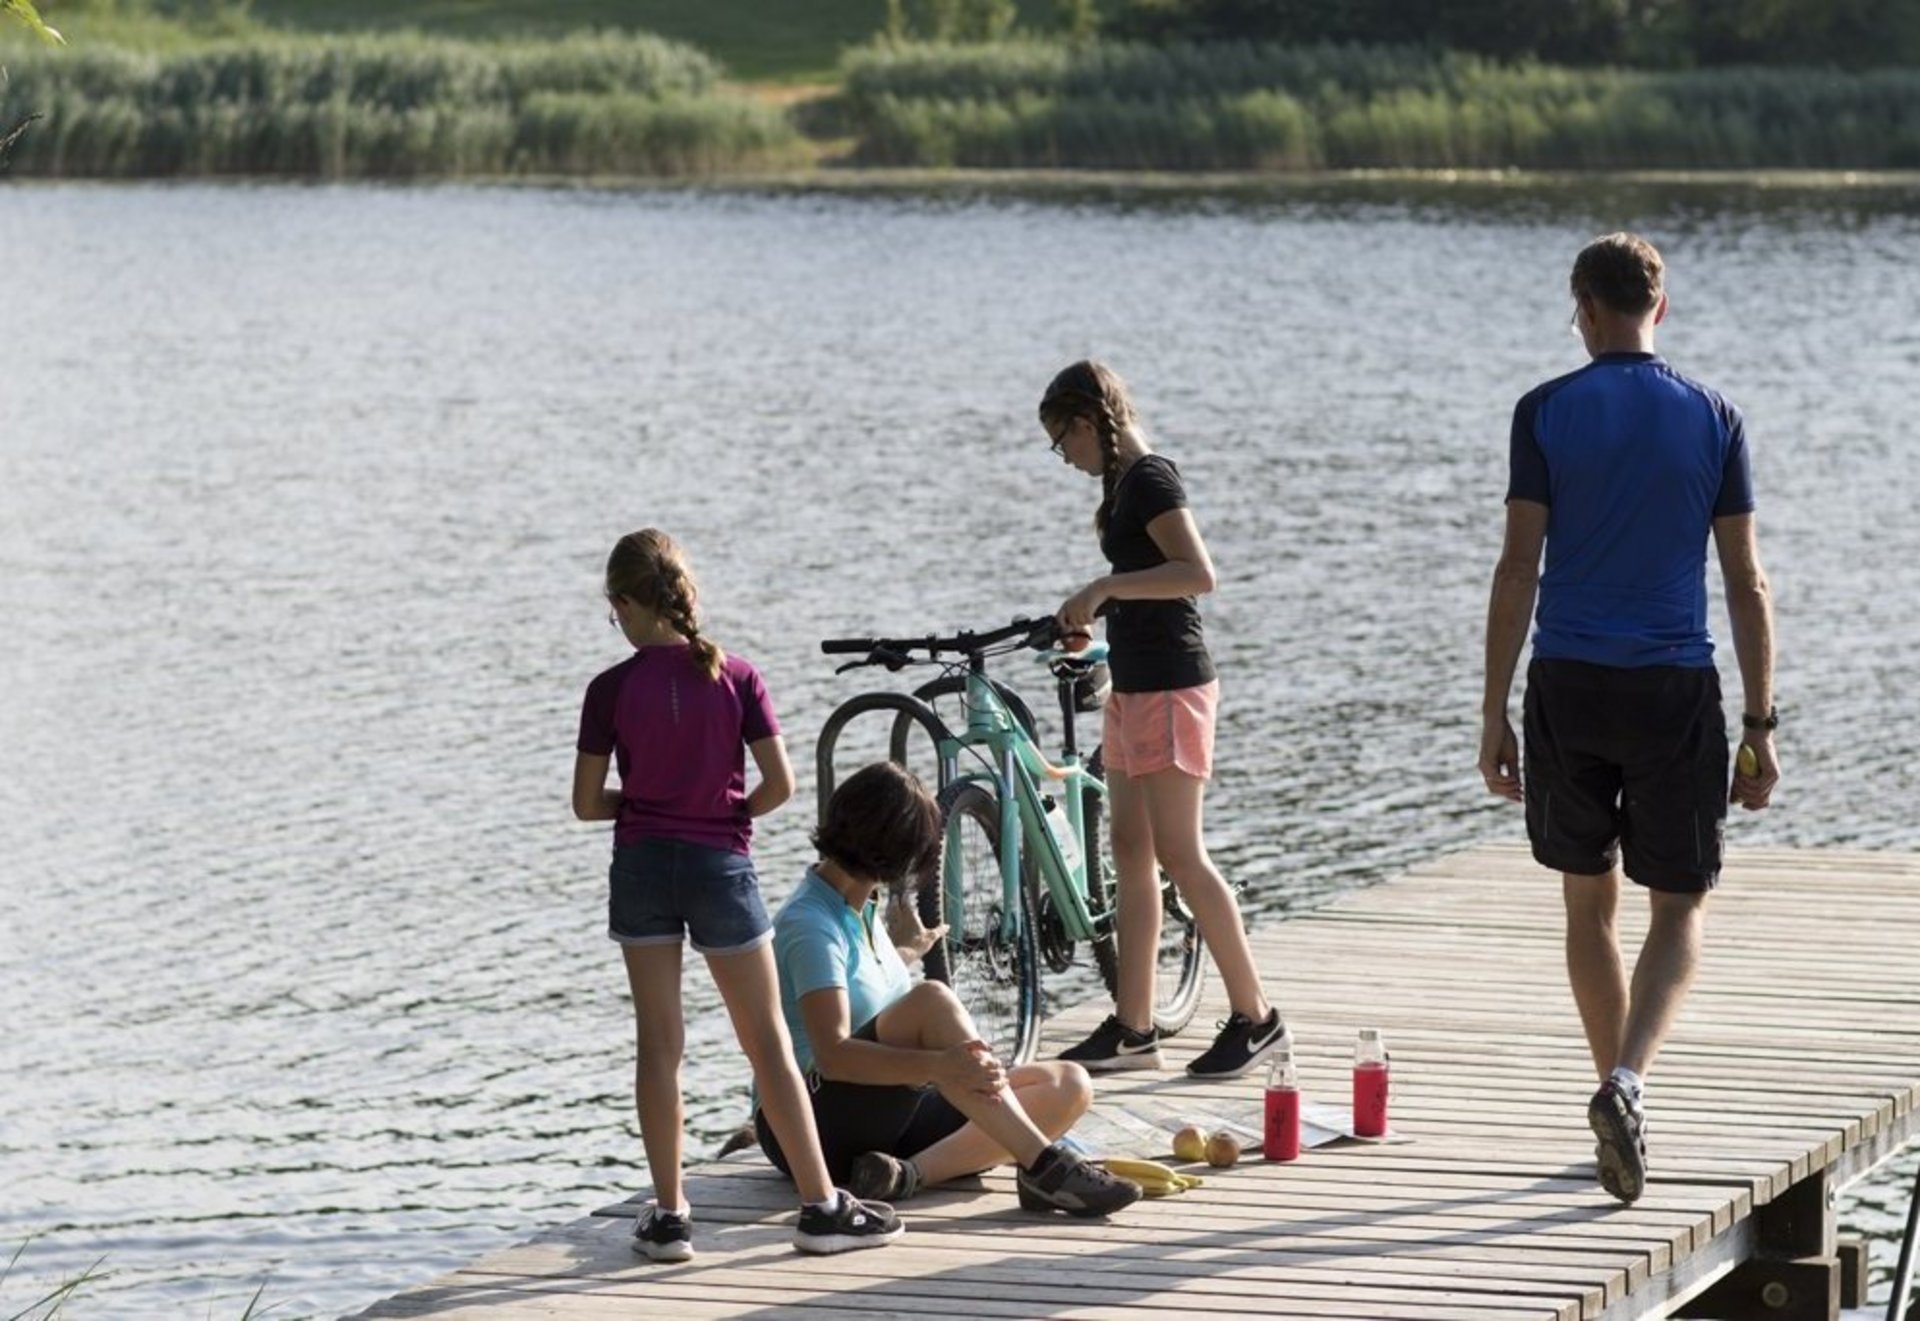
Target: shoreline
x=849 y=179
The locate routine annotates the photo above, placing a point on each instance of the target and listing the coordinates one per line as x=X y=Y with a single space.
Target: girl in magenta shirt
x=678 y=717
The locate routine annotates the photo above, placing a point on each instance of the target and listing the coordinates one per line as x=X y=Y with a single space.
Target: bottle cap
x=1280 y=1067
x=1369 y=1034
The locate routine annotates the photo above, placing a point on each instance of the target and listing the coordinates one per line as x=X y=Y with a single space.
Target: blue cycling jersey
x=1634 y=462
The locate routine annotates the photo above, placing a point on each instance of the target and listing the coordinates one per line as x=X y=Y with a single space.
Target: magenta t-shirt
x=680 y=740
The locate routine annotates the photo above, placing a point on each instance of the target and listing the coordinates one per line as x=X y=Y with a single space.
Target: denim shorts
x=666 y=890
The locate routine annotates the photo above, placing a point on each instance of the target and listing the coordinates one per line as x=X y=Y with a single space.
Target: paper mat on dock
x=1144 y=1125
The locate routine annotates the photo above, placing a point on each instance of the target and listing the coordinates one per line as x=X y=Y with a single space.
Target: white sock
x=1629 y=1081
x=682 y=1213
x=829 y=1206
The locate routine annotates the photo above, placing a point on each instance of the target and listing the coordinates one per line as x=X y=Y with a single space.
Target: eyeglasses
x=1057 y=440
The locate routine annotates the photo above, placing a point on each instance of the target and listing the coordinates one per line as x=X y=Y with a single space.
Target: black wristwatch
x=1770 y=721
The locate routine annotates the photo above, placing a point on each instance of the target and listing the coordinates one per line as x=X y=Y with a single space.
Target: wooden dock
x=1795 y=1069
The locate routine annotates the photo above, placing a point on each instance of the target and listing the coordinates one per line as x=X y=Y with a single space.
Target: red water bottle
x=1370 y=1085
x=1281 y=1139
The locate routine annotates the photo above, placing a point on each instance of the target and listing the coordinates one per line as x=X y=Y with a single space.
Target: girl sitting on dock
x=905 y=1094
x=679 y=715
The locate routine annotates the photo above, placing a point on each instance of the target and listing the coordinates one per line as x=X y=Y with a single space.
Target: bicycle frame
x=991 y=751
x=1017 y=770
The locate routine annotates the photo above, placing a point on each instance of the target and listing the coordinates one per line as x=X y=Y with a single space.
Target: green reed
x=1241 y=106
x=386 y=106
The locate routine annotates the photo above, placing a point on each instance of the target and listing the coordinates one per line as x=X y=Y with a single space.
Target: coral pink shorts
x=1148 y=732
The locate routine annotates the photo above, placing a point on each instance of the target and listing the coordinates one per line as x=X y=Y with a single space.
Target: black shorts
x=854 y=1118
x=1631 y=761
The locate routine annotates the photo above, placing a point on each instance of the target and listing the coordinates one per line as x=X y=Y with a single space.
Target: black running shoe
x=850 y=1225
x=1062 y=1181
x=1242 y=1043
x=662 y=1236
x=1114 y=1046
x=876 y=1176
x=1620 y=1125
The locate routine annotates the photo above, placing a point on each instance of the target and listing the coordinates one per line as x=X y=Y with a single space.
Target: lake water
x=304 y=493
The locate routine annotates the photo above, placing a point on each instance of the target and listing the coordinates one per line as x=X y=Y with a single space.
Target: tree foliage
x=1648 y=33
x=26 y=13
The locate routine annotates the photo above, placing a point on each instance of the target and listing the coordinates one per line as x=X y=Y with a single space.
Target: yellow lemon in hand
x=1747 y=762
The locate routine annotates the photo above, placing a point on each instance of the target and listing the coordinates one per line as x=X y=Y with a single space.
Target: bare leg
x=751 y=989
x=653 y=975
x=1053 y=1095
x=929 y=1018
x=1594 y=969
x=1175 y=802
x=1663 y=975
x=1138 y=901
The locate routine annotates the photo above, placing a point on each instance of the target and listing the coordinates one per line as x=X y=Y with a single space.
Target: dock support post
x=1853 y=1272
x=1794 y=1274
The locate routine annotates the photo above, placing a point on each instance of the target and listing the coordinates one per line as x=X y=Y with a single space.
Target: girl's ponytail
x=648 y=568
x=680 y=614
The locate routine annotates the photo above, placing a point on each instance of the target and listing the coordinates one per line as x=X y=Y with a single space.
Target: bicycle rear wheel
x=996 y=977
x=1179 y=962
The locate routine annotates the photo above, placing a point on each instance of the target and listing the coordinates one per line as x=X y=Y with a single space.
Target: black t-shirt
x=1157 y=645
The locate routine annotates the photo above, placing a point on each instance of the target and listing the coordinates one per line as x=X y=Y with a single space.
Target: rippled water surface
x=304 y=492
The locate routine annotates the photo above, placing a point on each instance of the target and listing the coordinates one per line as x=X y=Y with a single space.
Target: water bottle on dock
x=1370 y=1084
x=1281 y=1137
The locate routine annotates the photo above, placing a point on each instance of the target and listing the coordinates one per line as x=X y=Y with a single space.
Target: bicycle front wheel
x=995 y=976
x=1179 y=960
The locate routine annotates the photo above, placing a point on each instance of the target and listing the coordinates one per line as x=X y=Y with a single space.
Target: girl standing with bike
x=679 y=715
x=1158 y=737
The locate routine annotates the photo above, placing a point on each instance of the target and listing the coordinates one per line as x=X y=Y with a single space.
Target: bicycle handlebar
x=1037 y=633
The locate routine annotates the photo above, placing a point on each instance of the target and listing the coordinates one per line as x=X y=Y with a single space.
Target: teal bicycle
x=1025 y=876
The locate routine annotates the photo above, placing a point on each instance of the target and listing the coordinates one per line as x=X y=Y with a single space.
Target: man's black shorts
x=853 y=1118
x=1631 y=761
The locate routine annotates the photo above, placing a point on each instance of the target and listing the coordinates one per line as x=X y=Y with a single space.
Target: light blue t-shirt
x=819 y=941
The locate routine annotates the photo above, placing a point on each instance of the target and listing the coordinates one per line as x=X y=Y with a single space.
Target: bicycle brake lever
x=851 y=665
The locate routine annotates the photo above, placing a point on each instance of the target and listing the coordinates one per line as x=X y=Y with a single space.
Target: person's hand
x=1753 y=792
x=1076 y=614
x=1500 y=759
x=971 y=1067
x=904 y=928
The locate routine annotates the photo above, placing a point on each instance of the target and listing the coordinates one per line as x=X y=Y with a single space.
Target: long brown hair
x=1094 y=391
x=649 y=569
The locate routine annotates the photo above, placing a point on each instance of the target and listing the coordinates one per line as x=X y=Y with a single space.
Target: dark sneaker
x=1114 y=1046
x=1241 y=1045
x=1620 y=1125
x=1062 y=1181
x=876 y=1176
x=662 y=1236
x=851 y=1225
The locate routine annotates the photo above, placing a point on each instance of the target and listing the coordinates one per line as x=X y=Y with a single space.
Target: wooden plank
x=1795 y=1055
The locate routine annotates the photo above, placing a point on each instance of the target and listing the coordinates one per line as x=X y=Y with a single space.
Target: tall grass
x=1239 y=106
x=387 y=106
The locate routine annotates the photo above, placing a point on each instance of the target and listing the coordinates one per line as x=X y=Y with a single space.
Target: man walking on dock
x=1619 y=471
